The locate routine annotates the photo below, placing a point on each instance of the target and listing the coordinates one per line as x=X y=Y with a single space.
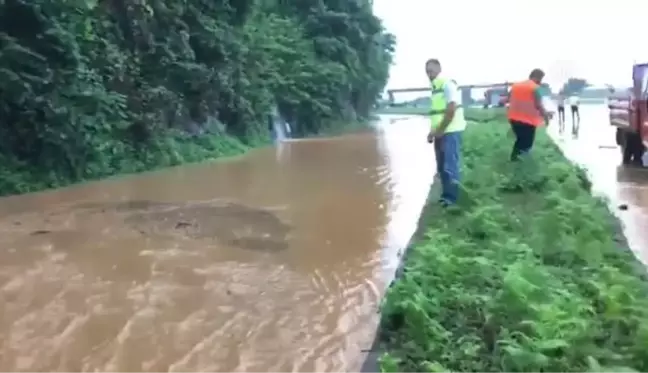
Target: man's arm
x=539 y=104
x=451 y=93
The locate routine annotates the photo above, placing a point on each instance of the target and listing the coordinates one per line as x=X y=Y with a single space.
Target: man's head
x=537 y=75
x=432 y=68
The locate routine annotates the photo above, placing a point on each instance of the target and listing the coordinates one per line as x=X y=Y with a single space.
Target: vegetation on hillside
x=90 y=88
x=530 y=275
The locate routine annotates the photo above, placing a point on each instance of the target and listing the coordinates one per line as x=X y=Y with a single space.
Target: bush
x=528 y=275
x=90 y=88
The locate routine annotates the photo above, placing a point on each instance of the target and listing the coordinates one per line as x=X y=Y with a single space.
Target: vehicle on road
x=496 y=97
x=628 y=110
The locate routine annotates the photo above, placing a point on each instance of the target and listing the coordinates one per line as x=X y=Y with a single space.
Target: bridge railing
x=465 y=89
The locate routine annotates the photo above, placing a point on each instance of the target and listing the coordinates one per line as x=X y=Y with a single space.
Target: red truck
x=629 y=113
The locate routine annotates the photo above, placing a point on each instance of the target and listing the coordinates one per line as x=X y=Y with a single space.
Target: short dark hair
x=536 y=73
x=432 y=61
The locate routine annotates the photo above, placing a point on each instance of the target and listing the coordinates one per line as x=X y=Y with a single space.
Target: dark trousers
x=447 y=149
x=575 y=119
x=524 y=138
x=633 y=148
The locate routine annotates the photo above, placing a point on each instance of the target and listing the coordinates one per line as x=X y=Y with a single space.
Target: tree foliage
x=574 y=86
x=94 y=87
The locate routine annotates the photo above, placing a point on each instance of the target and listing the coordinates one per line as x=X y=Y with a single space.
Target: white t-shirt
x=573 y=101
x=451 y=92
x=549 y=104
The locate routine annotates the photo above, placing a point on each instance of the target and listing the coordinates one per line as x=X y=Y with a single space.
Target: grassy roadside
x=529 y=275
x=173 y=150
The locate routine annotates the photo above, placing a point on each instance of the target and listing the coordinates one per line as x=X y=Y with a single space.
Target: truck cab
x=628 y=110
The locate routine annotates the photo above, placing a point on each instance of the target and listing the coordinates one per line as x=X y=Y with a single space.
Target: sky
x=492 y=41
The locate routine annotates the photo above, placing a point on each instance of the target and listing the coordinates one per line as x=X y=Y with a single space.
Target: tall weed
x=527 y=276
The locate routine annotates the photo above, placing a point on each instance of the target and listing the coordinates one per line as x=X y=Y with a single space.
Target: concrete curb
x=370 y=363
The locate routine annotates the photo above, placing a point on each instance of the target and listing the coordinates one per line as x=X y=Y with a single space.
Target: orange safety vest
x=522 y=106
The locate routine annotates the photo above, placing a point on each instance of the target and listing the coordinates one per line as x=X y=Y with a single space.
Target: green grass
x=173 y=150
x=529 y=274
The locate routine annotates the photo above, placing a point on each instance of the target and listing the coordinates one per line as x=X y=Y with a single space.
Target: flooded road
x=596 y=150
x=273 y=261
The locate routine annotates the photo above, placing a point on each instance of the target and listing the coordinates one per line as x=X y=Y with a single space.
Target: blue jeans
x=448 y=154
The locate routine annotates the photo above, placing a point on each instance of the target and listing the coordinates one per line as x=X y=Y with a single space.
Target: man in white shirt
x=560 y=103
x=574 y=102
x=447 y=124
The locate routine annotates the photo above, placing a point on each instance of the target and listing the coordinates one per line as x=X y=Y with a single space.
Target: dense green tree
x=574 y=86
x=94 y=87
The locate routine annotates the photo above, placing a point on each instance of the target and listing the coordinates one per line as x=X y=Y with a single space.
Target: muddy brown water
x=273 y=261
x=625 y=188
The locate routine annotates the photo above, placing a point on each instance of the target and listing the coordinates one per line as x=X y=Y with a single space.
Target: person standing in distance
x=574 y=102
x=560 y=103
x=526 y=112
x=447 y=123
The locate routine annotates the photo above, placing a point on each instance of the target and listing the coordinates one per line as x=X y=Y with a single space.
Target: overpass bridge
x=466 y=90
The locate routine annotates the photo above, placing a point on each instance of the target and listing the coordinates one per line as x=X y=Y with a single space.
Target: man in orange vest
x=526 y=112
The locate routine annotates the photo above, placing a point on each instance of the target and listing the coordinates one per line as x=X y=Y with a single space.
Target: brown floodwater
x=596 y=150
x=272 y=261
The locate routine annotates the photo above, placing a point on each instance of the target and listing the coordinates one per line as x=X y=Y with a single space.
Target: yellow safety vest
x=438 y=107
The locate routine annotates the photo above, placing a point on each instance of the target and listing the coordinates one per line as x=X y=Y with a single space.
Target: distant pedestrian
x=526 y=112
x=560 y=103
x=447 y=124
x=574 y=103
